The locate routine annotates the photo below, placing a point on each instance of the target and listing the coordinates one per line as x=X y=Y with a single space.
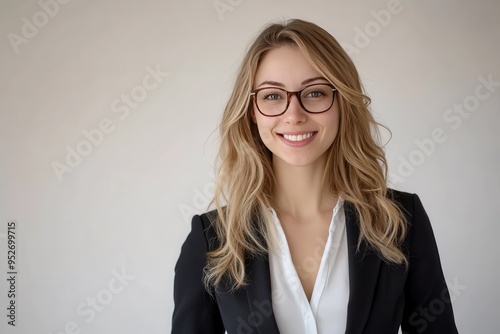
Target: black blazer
x=382 y=296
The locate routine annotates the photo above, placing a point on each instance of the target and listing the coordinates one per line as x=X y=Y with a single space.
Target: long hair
x=356 y=167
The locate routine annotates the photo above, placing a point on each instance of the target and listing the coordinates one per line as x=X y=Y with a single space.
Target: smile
x=298 y=137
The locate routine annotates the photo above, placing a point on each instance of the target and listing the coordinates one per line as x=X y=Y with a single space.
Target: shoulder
x=402 y=198
x=207 y=219
x=419 y=236
x=205 y=222
x=409 y=203
x=201 y=238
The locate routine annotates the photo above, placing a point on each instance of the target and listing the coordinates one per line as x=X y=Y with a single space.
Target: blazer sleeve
x=195 y=310
x=428 y=307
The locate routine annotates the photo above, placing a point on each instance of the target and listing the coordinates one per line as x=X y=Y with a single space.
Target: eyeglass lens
x=314 y=99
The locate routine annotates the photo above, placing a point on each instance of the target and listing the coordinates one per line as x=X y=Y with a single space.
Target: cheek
x=336 y=123
x=332 y=126
x=265 y=127
x=265 y=133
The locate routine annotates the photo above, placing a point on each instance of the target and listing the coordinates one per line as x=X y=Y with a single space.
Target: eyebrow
x=279 y=84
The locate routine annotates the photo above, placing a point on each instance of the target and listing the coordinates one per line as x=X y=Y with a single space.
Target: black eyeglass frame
x=297 y=93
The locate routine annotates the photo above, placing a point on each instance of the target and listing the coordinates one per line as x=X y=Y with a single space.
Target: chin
x=297 y=161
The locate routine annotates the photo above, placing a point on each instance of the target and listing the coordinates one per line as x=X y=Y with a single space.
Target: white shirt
x=326 y=313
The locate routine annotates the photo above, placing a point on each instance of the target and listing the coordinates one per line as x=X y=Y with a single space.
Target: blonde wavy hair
x=356 y=167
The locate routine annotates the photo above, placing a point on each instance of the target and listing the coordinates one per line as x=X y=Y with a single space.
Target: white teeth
x=298 y=137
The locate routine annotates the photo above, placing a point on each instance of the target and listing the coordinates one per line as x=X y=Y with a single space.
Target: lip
x=296 y=133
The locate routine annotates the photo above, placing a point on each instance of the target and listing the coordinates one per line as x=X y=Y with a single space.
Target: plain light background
x=125 y=208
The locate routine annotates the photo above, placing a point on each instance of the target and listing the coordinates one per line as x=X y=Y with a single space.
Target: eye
x=272 y=96
x=315 y=94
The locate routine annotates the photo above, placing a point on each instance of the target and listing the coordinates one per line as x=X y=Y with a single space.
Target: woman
x=311 y=239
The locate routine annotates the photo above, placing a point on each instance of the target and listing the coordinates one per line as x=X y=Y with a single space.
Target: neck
x=300 y=191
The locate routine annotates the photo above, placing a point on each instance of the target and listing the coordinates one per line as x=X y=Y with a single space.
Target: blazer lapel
x=364 y=269
x=259 y=295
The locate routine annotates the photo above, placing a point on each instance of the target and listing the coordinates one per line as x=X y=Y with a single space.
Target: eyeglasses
x=274 y=101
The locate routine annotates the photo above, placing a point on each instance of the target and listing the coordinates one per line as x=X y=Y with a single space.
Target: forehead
x=287 y=65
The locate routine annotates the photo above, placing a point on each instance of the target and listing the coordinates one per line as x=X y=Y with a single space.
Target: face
x=296 y=138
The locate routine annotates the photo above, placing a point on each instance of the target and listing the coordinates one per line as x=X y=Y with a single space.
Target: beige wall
x=147 y=81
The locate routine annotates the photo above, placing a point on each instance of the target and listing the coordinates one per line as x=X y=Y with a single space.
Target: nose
x=295 y=113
